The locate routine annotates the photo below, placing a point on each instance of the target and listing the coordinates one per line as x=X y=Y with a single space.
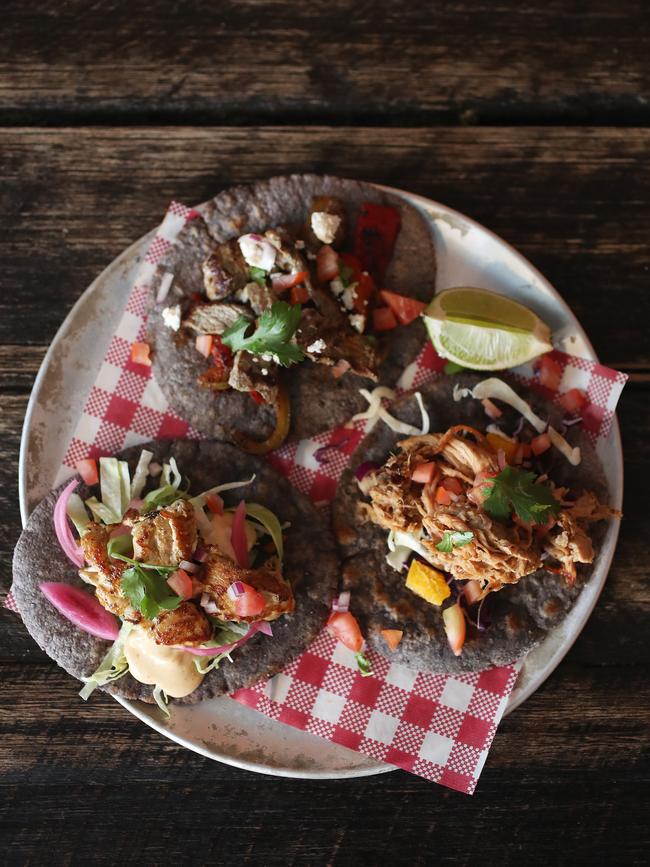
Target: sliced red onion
x=364 y=468
x=226 y=648
x=342 y=603
x=265 y=627
x=200 y=554
x=70 y=548
x=236 y=590
x=188 y=567
x=165 y=285
x=81 y=609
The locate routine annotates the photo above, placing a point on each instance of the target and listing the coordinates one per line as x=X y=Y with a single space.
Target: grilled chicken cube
x=105 y=572
x=186 y=624
x=225 y=271
x=167 y=536
x=214 y=318
x=220 y=572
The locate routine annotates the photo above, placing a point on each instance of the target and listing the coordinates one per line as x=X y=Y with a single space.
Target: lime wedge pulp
x=484 y=330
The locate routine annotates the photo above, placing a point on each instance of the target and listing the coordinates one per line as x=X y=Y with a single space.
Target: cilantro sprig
x=258 y=275
x=144 y=584
x=514 y=489
x=363 y=664
x=275 y=328
x=451 y=540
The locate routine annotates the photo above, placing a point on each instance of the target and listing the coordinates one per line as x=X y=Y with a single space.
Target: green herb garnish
x=275 y=328
x=148 y=591
x=514 y=489
x=345 y=273
x=258 y=275
x=452 y=540
x=363 y=663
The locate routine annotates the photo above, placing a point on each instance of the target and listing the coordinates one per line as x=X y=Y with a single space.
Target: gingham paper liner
x=436 y=726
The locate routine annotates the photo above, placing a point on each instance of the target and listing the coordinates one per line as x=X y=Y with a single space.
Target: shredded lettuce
x=169 y=492
x=113 y=666
x=200 y=499
x=141 y=473
x=203 y=666
x=100 y=511
x=115 y=485
x=171 y=474
x=270 y=523
x=77 y=513
x=161 y=700
x=376 y=411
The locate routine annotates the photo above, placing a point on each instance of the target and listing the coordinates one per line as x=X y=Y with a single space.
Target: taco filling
x=290 y=295
x=189 y=579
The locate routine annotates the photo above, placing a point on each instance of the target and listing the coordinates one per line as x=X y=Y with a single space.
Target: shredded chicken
x=220 y=572
x=497 y=554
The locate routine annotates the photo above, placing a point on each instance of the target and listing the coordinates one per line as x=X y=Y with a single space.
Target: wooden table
x=530 y=117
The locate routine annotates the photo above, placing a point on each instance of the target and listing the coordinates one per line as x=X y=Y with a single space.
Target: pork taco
x=282 y=299
x=195 y=573
x=467 y=529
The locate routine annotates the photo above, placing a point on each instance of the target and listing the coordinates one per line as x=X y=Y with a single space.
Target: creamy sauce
x=171 y=669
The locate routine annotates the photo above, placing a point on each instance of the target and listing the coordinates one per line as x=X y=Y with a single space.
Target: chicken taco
x=280 y=300
x=469 y=523
x=195 y=573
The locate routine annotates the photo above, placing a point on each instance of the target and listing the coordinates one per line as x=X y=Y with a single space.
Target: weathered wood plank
x=252 y=61
x=575 y=201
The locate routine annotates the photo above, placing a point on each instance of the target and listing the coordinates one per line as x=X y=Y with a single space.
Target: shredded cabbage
x=203 y=667
x=115 y=485
x=161 y=700
x=100 y=511
x=374 y=399
x=141 y=473
x=494 y=387
x=77 y=513
x=113 y=666
x=200 y=499
x=376 y=410
x=171 y=474
x=270 y=523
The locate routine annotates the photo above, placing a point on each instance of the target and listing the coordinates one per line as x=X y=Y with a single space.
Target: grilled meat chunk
x=327 y=343
x=247 y=374
x=214 y=318
x=220 y=572
x=105 y=572
x=225 y=271
x=259 y=297
x=186 y=624
x=165 y=537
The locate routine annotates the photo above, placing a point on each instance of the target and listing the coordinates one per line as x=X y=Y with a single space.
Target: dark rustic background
x=533 y=118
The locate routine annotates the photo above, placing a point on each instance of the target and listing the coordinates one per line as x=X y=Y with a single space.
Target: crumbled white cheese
x=172 y=317
x=317 y=346
x=257 y=251
x=300 y=245
x=265 y=371
x=349 y=296
x=337 y=286
x=325 y=226
x=358 y=322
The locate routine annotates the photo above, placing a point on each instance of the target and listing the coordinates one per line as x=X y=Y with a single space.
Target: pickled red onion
x=64 y=535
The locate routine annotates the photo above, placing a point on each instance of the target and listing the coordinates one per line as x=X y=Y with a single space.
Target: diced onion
x=342 y=603
x=236 y=590
x=188 y=567
x=208 y=604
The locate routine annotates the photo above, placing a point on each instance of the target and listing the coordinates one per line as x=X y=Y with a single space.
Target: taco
x=271 y=309
x=465 y=541
x=175 y=583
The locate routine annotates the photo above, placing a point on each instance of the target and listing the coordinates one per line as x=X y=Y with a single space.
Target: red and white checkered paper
x=439 y=727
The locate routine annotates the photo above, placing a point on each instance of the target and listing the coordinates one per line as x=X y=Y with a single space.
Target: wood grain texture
x=576 y=202
x=565 y=780
x=259 y=61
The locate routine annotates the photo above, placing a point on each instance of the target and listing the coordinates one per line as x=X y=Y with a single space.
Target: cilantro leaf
x=258 y=275
x=363 y=663
x=147 y=590
x=275 y=328
x=451 y=540
x=345 y=273
x=514 y=489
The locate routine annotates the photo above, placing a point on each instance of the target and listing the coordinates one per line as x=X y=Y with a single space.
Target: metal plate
x=468 y=255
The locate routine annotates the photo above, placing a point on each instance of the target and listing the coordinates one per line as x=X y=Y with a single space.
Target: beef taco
x=178 y=589
x=272 y=308
x=467 y=539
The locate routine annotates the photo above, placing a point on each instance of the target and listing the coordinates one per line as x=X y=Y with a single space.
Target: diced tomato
x=443 y=496
x=406 y=310
x=574 y=400
x=550 y=372
x=140 y=353
x=392 y=637
x=345 y=628
x=491 y=409
x=257 y=397
x=299 y=295
x=424 y=473
x=87 y=469
x=455 y=627
x=540 y=444
x=181 y=583
x=327 y=264
x=376 y=232
x=250 y=603
x=383 y=319
x=363 y=292
x=203 y=344
x=282 y=282
x=340 y=368
x=214 y=504
x=472 y=591
x=453 y=485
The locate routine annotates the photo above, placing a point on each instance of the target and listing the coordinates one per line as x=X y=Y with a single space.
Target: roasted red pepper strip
x=376 y=233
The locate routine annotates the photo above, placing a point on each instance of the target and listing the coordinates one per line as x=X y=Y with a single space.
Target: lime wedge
x=483 y=330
